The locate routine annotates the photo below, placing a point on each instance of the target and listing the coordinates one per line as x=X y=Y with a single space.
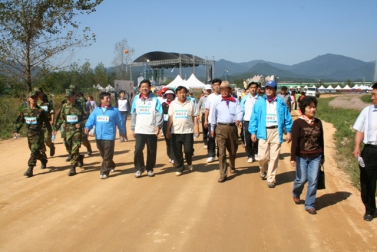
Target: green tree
x=35 y=32
x=87 y=76
x=100 y=75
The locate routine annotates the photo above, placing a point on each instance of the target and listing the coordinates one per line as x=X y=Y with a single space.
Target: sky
x=281 y=31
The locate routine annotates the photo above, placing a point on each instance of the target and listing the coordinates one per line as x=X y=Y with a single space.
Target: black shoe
x=68 y=158
x=89 y=149
x=368 y=217
x=29 y=172
x=44 y=163
x=72 y=171
x=80 y=162
x=52 y=150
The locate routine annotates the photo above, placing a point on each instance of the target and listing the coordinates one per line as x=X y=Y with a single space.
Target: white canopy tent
x=178 y=81
x=109 y=88
x=193 y=82
x=321 y=87
x=338 y=88
x=347 y=87
x=330 y=88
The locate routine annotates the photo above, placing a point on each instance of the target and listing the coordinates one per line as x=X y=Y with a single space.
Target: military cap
x=33 y=93
x=69 y=92
x=38 y=89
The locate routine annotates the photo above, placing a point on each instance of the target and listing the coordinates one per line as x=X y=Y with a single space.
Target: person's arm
x=206 y=113
x=288 y=124
x=358 y=139
x=168 y=127
x=295 y=142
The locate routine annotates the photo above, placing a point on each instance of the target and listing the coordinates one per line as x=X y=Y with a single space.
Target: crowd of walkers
x=263 y=118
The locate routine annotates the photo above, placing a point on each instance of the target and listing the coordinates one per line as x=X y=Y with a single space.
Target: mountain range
x=328 y=67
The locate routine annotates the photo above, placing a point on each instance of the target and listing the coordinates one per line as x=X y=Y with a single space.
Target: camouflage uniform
x=47 y=105
x=70 y=115
x=34 y=119
x=82 y=102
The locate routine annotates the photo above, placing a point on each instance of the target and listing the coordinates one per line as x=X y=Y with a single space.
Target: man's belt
x=272 y=127
x=227 y=124
x=370 y=146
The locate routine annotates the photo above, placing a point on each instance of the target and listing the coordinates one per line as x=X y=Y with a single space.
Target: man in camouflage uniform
x=72 y=115
x=35 y=118
x=47 y=105
x=80 y=100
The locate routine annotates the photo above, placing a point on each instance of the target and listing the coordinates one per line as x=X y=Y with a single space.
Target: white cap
x=207 y=87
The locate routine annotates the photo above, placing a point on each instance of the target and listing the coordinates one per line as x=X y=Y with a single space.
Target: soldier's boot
x=68 y=158
x=29 y=172
x=80 y=162
x=44 y=163
x=52 y=150
x=89 y=149
x=72 y=171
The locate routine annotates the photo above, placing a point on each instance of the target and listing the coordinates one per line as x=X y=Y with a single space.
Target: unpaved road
x=193 y=212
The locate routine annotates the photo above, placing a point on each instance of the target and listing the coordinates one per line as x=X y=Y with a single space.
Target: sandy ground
x=193 y=212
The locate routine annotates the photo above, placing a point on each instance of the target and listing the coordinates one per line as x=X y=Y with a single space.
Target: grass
x=343 y=120
x=366 y=98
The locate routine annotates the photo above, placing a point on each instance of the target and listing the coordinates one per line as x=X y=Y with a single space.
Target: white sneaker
x=169 y=160
x=190 y=167
x=112 y=170
x=178 y=173
x=138 y=174
x=256 y=158
x=150 y=174
x=172 y=161
x=205 y=146
x=103 y=176
x=250 y=160
x=210 y=159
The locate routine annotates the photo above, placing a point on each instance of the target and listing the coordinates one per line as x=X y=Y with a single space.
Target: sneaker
x=210 y=159
x=150 y=174
x=121 y=139
x=125 y=139
x=44 y=163
x=169 y=160
x=271 y=185
x=103 y=176
x=205 y=146
x=138 y=173
x=263 y=175
x=178 y=173
x=256 y=157
x=52 y=150
x=190 y=167
x=250 y=160
x=112 y=170
x=172 y=161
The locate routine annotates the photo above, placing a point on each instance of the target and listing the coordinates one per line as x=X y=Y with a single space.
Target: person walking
x=247 y=104
x=307 y=152
x=366 y=132
x=72 y=115
x=269 y=119
x=182 y=124
x=226 y=116
x=208 y=117
x=106 y=118
x=48 y=106
x=147 y=119
x=202 y=110
x=168 y=97
x=123 y=106
x=35 y=119
x=90 y=104
x=286 y=97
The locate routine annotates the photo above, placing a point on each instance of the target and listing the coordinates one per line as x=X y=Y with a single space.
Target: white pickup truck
x=312 y=91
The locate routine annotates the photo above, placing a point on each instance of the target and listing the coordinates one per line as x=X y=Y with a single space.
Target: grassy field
x=343 y=120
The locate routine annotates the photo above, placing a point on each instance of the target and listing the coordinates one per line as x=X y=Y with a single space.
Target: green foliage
x=343 y=120
x=366 y=98
x=10 y=109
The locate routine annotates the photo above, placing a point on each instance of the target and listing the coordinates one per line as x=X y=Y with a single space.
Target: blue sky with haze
x=285 y=31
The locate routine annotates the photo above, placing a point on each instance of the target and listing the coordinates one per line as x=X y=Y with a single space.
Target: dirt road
x=193 y=212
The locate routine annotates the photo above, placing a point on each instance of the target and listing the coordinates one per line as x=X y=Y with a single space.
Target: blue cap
x=271 y=83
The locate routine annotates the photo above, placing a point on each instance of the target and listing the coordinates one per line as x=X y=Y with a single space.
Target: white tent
x=109 y=88
x=330 y=88
x=347 y=87
x=356 y=87
x=338 y=88
x=178 y=81
x=322 y=87
x=98 y=86
x=193 y=82
x=306 y=87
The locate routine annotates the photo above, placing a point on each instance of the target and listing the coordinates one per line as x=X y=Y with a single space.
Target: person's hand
x=197 y=132
x=53 y=133
x=356 y=152
x=293 y=163
x=205 y=124
x=77 y=125
x=133 y=133
x=212 y=134
x=168 y=134
x=123 y=135
x=157 y=130
x=240 y=125
x=86 y=131
x=51 y=123
x=322 y=161
x=253 y=138
x=288 y=137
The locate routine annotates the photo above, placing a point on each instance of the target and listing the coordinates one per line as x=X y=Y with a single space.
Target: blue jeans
x=124 y=118
x=307 y=169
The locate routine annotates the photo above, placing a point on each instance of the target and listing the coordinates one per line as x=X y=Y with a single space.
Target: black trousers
x=250 y=147
x=187 y=141
x=368 y=178
x=106 y=149
x=141 y=141
x=205 y=131
x=169 y=151
x=211 y=142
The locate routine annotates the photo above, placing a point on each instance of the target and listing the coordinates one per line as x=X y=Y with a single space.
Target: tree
x=34 y=33
x=100 y=74
x=123 y=59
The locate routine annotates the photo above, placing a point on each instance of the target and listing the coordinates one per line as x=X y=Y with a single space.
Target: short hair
x=284 y=88
x=179 y=88
x=306 y=101
x=122 y=91
x=216 y=80
x=252 y=83
x=374 y=85
x=91 y=97
x=103 y=94
x=145 y=81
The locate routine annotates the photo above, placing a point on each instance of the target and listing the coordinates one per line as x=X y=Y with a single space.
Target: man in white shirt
x=202 y=110
x=366 y=126
x=182 y=124
x=207 y=123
